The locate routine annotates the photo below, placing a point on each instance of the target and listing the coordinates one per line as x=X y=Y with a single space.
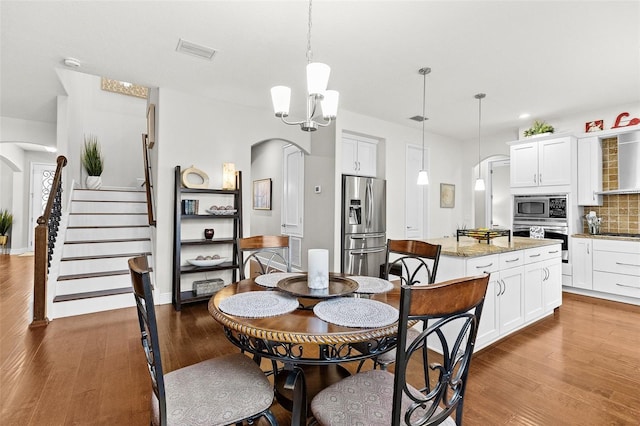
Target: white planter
x=94 y=182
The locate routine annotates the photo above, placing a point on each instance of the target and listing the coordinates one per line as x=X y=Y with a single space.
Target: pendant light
x=479 y=181
x=423 y=177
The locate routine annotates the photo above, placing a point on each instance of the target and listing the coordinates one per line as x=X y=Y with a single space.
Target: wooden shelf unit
x=180 y=296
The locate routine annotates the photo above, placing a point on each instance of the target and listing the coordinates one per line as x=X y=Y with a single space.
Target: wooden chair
x=267 y=251
x=453 y=310
x=224 y=390
x=412 y=262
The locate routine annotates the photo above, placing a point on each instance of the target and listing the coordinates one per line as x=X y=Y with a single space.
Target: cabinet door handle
x=552 y=252
x=484 y=266
x=534 y=178
x=627 y=285
x=504 y=287
x=512 y=260
x=540 y=177
x=626 y=264
x=587 y=249
x=535 y=255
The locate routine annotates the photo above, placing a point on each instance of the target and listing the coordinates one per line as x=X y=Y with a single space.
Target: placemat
x=271 y=280
x=372 y=284
x=258 y=304
x=356 y=312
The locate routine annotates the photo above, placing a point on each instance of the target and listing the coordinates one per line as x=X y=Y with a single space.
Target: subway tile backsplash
x=619 y=212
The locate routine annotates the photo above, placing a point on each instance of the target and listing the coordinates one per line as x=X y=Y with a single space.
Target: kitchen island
x=525 y=284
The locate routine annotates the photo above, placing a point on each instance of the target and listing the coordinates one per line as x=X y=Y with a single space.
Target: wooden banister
x=45 y=237
x=147 y=180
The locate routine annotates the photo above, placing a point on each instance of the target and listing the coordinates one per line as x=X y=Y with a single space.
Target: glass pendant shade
x=317 y=78
x=423 y=178
x=479 y=184
x=281 y=97
x=329 y=104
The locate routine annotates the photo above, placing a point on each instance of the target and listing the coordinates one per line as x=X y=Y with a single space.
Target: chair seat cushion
x=217 y=391
x=390 y=356
x=362 y=399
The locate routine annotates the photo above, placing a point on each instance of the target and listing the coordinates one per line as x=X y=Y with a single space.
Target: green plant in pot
x=538 y=127
x=92 y=161
x=6 y=220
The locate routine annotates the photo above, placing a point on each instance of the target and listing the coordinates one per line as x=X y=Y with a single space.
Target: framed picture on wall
x=151 y=126
x=262 y=194
x=447 y=195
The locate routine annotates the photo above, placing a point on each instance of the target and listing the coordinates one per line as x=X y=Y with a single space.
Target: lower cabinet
x=582 y=253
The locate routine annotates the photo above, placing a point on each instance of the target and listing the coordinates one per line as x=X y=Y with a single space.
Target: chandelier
x=317 y=80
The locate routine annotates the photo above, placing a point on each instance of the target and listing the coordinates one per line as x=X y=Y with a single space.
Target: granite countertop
x=608 y=237
x=470 y=247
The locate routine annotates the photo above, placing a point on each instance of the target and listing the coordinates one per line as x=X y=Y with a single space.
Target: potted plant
x=537 y=128
x=6 y=220
x=92 y=161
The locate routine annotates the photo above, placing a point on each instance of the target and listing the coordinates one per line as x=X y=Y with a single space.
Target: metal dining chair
x=377 y=397
x=224 y=390
x=268 y=252
x=411 y=262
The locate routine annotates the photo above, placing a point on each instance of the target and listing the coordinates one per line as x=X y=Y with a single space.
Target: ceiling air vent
x=418 y=118
x=194 y=49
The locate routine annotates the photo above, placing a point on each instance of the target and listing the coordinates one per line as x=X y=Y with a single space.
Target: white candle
x=318 y=263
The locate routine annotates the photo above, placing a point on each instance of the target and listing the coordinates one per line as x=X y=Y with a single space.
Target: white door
x=501 y=213
x=41 y=182
x=293 y=191
x=415 y=217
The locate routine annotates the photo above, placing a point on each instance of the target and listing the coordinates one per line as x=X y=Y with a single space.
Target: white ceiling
x=551 y=59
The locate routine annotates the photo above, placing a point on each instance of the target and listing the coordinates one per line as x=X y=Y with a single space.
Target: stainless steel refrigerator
x=364 y=221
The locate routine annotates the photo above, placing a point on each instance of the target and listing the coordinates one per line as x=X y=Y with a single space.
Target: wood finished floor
x=579 y=367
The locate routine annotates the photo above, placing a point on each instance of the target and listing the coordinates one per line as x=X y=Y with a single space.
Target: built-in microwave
x=540 y=207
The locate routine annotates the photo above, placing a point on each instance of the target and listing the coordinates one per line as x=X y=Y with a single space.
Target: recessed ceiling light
x=71 y=62
x=524 y=115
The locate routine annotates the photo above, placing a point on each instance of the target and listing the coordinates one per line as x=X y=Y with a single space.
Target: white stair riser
x=102 y=207
x=96 y=304
x=107 y=220
x=97 y=249
x=84 y=285
x=87 y=266
x=83 y=194
x=92 y=234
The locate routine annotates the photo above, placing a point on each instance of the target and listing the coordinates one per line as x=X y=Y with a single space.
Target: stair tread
x=92 y=294
x=93 y=275
x=110 y=201
x=102 y=214
x=106 y=226
x=104 y=256
x=115 y=240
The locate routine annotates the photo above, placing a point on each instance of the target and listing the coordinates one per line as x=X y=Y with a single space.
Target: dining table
x=309 y=332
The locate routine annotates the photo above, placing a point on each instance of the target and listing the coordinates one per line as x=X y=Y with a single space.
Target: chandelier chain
x=309 y=52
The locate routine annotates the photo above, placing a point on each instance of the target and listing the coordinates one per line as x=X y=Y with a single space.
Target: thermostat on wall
x=317 y=189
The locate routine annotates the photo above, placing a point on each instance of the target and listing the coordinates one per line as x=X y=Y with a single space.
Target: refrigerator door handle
x=367 y=251
x=369 y=202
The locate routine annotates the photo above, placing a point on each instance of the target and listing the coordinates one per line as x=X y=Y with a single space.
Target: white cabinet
x=552 y=285
x=542 y=281
x=511 y=299
x=616 y=267
x=359 y=156
x=589 y=171
x=582 y=253
x=541 y=163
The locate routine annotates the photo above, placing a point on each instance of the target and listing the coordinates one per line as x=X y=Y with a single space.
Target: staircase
x=105 y=228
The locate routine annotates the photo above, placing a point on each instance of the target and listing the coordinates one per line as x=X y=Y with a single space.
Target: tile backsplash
x=619 y=212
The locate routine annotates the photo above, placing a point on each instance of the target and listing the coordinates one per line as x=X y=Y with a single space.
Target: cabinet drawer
x=482 y=264
x=624 y=285
x=617 y=245
x=539 y=254
x=511 y=259
x=619 y=263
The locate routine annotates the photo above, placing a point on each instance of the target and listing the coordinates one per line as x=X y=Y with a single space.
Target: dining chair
x=377 y=397
x=224 y=390
x=269 y=252
x=412 y=262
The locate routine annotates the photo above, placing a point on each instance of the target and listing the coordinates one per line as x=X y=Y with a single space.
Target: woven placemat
x=259 y=304
x=271 y=280
x=372 y=284
x=356 y=312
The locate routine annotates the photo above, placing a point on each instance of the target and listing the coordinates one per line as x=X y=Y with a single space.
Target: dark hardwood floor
x=580 y=366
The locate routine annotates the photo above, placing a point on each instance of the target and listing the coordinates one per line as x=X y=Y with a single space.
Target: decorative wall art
x=262 y=194
x=594 y=126
x=447 y=195
x=151 y=126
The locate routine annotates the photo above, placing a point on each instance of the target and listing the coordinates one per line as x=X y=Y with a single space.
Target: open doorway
x=493 y=206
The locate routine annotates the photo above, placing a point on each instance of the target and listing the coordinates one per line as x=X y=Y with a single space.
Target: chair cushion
x=390 y=356
x=217 y=391
x=363 y=399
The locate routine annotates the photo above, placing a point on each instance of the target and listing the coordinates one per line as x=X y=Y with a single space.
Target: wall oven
x=546 y=211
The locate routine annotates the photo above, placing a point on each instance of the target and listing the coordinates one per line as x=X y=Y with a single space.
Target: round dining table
x=304 y=343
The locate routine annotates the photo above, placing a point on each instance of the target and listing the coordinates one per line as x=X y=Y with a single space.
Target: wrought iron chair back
x=412 y=261
x=452 y=310
x=269 y=252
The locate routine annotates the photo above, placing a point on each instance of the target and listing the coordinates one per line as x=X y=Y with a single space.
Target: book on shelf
x=190 y=207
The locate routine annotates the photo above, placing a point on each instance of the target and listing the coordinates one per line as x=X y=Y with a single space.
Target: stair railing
x=148 y=184
x=46 y=233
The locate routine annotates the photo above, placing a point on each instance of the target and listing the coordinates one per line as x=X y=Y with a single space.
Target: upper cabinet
x=359 y=155
x=589 y=171
x=542 y=163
